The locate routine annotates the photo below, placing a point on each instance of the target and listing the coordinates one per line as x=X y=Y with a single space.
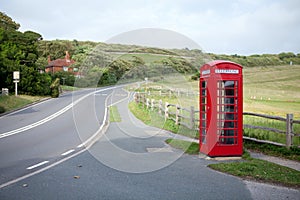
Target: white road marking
x=37 y=165
x=127 y=96
x=101 y=127
x=58 y=113
x=68 y=152
x=87 y=145
x=30 y=126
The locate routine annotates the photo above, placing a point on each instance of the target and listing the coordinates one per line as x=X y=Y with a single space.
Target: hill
x=113 y=61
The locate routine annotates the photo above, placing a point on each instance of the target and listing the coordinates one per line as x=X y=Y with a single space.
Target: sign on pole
x=16 y=76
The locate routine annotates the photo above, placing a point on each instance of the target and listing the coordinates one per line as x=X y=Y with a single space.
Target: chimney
x=67 y=57
x=49 y=59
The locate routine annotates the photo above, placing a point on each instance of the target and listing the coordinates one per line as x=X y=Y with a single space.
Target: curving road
x=47 y=132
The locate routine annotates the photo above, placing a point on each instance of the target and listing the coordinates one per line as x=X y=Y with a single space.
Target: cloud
x=240 y=26
x=155 y=38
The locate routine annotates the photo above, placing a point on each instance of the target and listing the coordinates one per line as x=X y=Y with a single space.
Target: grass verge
x=67 y=88
x=152 y=118
x=114 y=115
x=293 y=153
x=187 y=147
x=260 y=170
x=9 y=103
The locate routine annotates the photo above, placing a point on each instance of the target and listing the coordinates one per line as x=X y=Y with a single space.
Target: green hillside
x=273 y=90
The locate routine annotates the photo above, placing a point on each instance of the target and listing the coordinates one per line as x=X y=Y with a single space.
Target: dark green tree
x=18 y=52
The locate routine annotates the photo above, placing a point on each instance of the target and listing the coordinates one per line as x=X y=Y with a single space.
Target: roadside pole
x=16 y=76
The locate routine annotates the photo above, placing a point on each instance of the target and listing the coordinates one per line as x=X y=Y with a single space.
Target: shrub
x=2 y=109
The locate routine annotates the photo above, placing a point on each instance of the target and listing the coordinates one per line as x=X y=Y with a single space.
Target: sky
x=241 y=27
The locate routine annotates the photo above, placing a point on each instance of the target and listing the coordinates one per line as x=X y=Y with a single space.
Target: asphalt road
x=42 y=134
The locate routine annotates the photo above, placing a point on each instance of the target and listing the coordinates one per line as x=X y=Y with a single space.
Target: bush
x=55 y=88
x=2 y=109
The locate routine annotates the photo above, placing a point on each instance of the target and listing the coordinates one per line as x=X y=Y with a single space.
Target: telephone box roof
x=217 y=62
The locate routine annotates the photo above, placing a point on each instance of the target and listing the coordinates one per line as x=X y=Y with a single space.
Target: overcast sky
x=231 y=27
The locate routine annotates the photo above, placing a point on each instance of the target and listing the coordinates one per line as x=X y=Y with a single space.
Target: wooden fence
x=180 y=115
x=170 y=92
x=187 y=117
x=289 y=120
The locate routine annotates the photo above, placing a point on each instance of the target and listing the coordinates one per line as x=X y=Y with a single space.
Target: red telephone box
x=221 y=109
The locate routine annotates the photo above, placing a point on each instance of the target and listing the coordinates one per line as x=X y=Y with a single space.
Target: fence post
x=177 y=114
x=136 y=97
x=289 y=130
x=152 y=104
x=143 y=100
x=147 y=103
x=166 y=110
x=192 y=118
x=160 y=106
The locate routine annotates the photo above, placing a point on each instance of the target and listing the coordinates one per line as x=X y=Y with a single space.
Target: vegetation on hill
x=102 y=63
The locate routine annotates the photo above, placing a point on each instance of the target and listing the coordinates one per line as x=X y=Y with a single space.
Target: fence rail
x=180 y=115
x=187 y=117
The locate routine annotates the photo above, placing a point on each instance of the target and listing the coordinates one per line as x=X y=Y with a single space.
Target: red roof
x=60 y=63
x=217 y=62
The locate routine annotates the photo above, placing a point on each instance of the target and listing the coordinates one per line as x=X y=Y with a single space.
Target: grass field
x=272 y=90
x=268 y=90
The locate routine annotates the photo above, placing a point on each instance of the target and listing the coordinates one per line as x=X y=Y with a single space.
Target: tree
x=18 y=52
x=7 y=23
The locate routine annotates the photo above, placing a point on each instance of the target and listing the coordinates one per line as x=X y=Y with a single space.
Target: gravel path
x=280 y=161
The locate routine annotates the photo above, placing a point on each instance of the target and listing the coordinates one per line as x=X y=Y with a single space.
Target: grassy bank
x=188 y=147
x=248 y=168
x=292 y=154
x=114 y=115
x=260 y=170
x=12 y=102
x=67 y=88
x=152 y=118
